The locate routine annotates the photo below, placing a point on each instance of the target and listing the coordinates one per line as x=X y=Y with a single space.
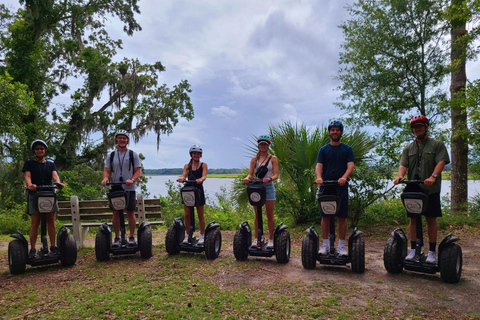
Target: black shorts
x=434 y=208
x=132 y=201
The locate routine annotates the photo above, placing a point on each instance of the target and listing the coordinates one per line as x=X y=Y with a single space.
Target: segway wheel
x=172 y=242
x=393 y=256
x=17 y=257
x=240 y=246
x=451 y=262
x=309 y=252
x=145 y=243
x=358 y=255
x=213 y=243
x=68 y=251
x=102 y=247
x=282 y=247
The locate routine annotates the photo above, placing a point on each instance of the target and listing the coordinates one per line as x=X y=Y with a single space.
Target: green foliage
x=393 y=60
x=83 y=182
x=14 y=219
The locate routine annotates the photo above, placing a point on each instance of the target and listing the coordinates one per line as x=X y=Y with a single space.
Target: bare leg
x=255 y=222
x=413 y=229
x=116 y=223
x=269 y=206
x=187 y=218
x=342 y=228
x=132 y=222
x=35 y=223
x=432 y=229
x=201 y=219
x=52 y=228
x=326 y=227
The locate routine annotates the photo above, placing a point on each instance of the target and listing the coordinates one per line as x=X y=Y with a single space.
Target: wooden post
x=140 y=208
x=77 y=225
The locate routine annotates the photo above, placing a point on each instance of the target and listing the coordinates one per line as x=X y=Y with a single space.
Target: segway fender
x=212 y=226
x=446 y=241
x=280 y=228
x=355 y=234
x=179 y=225
x=62 y=234
x=313 y=233
x=143 y=226
x=105 y=229
x=400 y=236
x=245 y=229
x=19 y=236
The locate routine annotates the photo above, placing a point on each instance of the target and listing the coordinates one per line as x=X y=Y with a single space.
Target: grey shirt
x=122 y=167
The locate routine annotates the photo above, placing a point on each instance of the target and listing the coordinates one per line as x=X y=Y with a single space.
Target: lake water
x=156 y=186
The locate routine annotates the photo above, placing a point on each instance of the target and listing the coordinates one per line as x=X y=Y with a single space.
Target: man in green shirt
x=424 y=159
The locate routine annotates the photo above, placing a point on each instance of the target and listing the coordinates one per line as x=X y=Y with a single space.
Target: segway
x=44 y=202
x=449 y=264
x=329 y=201
x=118 y=200
x=176 y=233
x=242 y=241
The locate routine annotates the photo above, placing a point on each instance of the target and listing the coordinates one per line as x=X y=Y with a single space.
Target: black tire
x=17 y=257
x=68 y=251
x=213 y=244
x=145 y=243
x=102 y=246
x=240 y=246
x=358 y=255
x=451 y=263
x=172 y=243
x=282 y=247
x=393 y=255
x=309 y=252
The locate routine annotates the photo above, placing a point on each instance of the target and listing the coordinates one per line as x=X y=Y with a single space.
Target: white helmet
x=195 y=148
x=34 y=143
x=122 y=133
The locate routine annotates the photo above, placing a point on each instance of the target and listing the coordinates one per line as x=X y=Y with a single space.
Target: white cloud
x=224 y=111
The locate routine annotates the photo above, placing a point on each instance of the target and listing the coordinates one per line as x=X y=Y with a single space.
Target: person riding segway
x=123 y=166
x=261 y=192
x=41 y=206
x=193 y=196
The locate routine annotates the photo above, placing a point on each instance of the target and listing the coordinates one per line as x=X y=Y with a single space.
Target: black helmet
x=34 y=143
x=337 y=124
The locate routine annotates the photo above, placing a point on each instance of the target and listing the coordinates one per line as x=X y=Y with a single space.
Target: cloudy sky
x=251 y=65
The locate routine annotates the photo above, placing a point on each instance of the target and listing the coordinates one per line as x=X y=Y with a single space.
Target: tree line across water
x=175 y=171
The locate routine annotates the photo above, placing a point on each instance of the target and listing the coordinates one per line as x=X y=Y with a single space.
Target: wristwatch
x=434 y=175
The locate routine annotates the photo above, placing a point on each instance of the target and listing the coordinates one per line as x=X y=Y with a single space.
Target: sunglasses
x=39 y=149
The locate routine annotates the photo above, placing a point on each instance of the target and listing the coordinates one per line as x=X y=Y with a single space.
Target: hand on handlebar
x=342 y=181
x=429 y=181
x=397 y=180
x=319 y=181
x=32 y=187
x=104 y=182
x=246 y=180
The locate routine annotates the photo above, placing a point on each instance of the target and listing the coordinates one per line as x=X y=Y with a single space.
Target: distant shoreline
x=210 y=175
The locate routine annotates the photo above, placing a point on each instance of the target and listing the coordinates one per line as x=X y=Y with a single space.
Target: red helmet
x=419 y=120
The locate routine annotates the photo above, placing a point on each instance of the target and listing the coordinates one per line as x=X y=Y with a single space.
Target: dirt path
x=374 y=285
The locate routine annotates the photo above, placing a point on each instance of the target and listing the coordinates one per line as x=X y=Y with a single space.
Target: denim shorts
x=270 y=191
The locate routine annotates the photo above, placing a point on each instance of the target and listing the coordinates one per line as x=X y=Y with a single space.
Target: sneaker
x=32 y=254
x=185 y=240
x=254 y=244
x=342 y=252
x=270 y=244
x=131 y=241
x=54 y=251
x=323 y=251
x=411 y=255
x=116 y=243
x=431 y=257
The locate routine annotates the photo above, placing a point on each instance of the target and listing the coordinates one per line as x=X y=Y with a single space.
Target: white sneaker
x=342 y=251
x=201 y=240
x=254 y=244
x=431 y=257
x=411 y=255
x=270 y=244
x=185 y=240
x=323 y=250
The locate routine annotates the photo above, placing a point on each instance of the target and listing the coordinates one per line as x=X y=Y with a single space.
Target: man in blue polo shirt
x=335 y=161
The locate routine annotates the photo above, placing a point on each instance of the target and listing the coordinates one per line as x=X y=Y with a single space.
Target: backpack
x=130 y=157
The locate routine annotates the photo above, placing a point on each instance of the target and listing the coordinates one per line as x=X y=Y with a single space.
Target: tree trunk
x=459 y=150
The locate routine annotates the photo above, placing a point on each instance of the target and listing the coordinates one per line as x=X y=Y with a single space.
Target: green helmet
x=265 y=138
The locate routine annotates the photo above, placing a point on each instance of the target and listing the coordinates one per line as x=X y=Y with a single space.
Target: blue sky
x=251 y=65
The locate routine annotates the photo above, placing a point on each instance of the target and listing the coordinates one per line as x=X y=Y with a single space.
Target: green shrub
x=14 y=220
x=384 y=212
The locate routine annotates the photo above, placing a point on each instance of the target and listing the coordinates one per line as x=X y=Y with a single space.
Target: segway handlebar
x=115 y=183
x=330 y=182
x=411 y=181
x=189 y=182
x=47 y=187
